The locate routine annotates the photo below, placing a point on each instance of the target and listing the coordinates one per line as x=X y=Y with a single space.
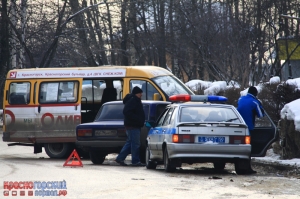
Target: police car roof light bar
x=197 y=98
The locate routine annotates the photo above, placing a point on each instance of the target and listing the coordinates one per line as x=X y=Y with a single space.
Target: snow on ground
x=272 y=157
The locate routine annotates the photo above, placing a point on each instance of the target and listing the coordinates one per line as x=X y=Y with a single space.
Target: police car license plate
x=214 y=139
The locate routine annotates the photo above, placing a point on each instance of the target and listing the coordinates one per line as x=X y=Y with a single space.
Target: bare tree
x=4 y=47
x=203 y=39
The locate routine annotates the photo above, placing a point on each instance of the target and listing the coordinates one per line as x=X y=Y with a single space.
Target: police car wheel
x=169 y=167
x=219 y=165
x=97 y=158
x=58 y=150
x=242 y=166
x=149 y=164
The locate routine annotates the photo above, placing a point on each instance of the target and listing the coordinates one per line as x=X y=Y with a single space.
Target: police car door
x=155 y=134
x=166 y=130
x=263 y=135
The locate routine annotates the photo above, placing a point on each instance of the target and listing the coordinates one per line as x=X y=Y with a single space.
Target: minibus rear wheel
x=58 y=150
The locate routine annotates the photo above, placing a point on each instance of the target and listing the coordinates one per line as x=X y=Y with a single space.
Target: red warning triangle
x=75 y=163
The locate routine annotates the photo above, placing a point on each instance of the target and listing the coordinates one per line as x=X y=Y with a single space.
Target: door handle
x=39 y=108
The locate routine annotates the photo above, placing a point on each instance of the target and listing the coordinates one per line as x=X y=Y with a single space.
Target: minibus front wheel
x=58 y=150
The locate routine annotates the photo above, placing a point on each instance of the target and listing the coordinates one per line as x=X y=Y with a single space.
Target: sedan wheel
x=97 y=158
x=242 y=166
x=169 y=167
x=219 y=165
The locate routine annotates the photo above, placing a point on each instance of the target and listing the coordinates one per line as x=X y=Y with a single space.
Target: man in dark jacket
x=250 y=107
x=134 y=119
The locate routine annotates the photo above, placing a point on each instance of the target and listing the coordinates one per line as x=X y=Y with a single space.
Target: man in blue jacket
x=250 y=107
x=134 y=119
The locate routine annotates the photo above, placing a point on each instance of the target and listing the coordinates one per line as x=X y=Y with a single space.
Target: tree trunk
x=4 y=48
x=162 y=37
x=124 y=55
x=79 y=21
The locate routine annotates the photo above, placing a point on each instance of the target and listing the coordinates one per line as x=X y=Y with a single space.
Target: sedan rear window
x=208 y=114
x=110 y=112
x=115 y=112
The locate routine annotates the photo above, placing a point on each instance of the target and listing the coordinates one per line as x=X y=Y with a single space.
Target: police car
x=199 y=128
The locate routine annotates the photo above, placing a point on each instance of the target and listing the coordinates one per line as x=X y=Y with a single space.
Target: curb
x=276 y=165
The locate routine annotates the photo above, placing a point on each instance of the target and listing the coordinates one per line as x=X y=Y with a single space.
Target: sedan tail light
x=240 y=140
x=183 y=138
x=84 y=132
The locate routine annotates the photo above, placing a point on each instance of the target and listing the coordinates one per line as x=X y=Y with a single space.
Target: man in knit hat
x=250 y=107
x=134 y=119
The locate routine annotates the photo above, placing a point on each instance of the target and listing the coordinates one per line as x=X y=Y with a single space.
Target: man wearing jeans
x=134 y=119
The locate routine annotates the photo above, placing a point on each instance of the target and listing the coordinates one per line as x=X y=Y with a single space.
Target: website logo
x=35 y=188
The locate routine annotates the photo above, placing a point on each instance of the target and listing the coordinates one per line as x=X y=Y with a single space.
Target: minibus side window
x=147 y=87
x=96 y=88
x=118 y=85
x=19 y=93
x=58 y=92
x=90 y=87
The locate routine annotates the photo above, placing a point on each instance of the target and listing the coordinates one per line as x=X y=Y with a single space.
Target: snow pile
x=198 y=84
x=215 y=87
x=292 y=112
x=272 y=157
x=275 y=80
x=244 y=92
x=210 y=88
x=233 y=84
x=295 y=82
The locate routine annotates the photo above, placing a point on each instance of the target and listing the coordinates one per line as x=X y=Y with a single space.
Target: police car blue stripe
x=159 y=130
x=171 y=131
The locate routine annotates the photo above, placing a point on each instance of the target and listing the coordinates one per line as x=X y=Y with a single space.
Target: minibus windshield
x=171 y=86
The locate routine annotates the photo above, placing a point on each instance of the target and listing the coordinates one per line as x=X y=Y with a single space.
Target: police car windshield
x=171 y=86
